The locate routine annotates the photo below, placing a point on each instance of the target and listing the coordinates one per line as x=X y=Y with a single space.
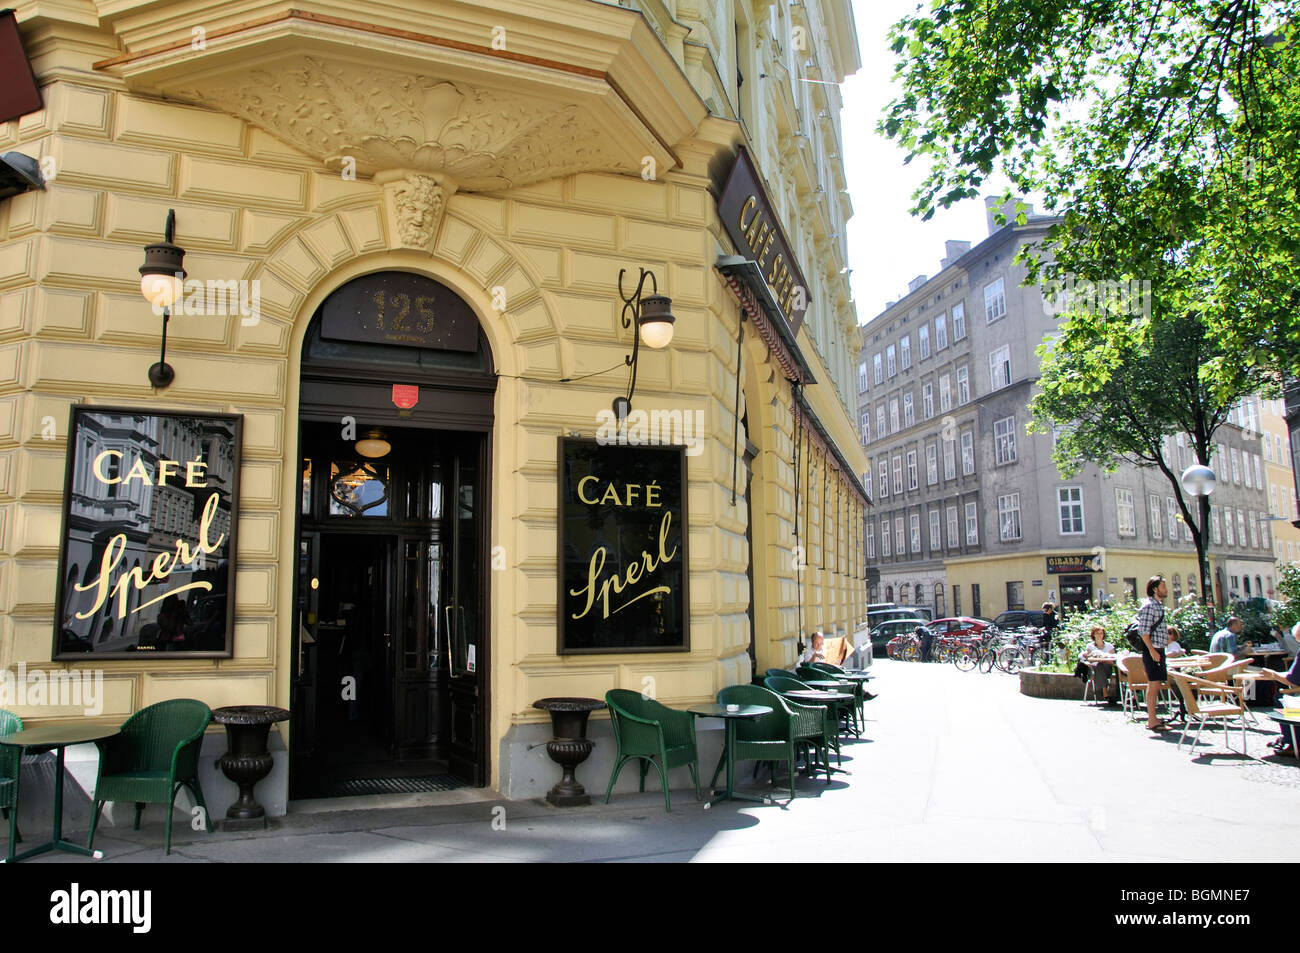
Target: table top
x=249 y=715
x=1289 y=715
x=826 y=683
x=720 y=711
x=816 y=696
x=56 y=736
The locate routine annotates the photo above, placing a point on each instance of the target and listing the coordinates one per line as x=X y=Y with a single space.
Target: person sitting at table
x=1101 y=670
x=1225 y=640
x=815 y=652
x=1290 y=682
x=1174 y=648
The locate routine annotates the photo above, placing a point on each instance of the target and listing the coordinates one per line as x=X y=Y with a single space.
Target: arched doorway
x=391 y=639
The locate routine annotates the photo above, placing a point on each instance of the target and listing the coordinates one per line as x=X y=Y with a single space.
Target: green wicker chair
x=847 y=710
x=830 y=712
x=151 y=759
x=773 y=737
x=654 y=734
x=11 y=760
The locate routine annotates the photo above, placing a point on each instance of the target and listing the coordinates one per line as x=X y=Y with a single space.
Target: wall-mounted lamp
x=653 y=317
x=162 y=280
x=374 y=444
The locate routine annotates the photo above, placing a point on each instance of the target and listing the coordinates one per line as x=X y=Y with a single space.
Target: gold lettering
x=138 y=471
x=107 y=563
x=633 y=490
x=582 y=483
x=194 y=473
x=610 y=491
x=205 y=524
x=667 y=523
x=100 y=475
x=777 y=264
x=767 y=245
x=652 y=495
x=762 y=235
x=163 y=467
x=750 y=202
x=751 y=236
x=593 y=571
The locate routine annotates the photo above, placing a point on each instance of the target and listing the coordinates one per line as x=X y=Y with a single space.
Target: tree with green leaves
x=1166 y=134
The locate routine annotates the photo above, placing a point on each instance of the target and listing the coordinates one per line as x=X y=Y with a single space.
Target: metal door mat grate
x=356 y=788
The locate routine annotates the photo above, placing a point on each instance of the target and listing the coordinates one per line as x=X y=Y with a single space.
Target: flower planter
x=1060 y=685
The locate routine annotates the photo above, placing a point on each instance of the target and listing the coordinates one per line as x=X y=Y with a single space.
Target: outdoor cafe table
x=1288 y=722
x=731 y=718
x=57 y=737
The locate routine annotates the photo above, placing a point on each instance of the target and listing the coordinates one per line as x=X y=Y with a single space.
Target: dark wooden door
x=465 y=614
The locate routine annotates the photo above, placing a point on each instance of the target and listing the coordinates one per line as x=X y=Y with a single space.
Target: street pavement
x=952 y=766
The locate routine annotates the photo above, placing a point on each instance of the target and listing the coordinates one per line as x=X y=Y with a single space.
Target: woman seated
x=1174 y=648
x=1101 y=669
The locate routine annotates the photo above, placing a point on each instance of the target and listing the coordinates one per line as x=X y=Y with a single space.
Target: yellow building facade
x=520 y=157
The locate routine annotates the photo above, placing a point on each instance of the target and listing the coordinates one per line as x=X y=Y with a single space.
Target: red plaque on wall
x=406 y=396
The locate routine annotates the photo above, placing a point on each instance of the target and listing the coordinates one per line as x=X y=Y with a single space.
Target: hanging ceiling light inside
x=374 y=444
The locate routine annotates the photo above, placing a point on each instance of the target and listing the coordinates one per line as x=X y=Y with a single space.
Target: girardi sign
x=147 y=559
x=750 y=220
x=623 y=570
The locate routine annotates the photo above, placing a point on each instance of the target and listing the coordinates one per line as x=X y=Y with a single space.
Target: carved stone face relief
x=415 y=206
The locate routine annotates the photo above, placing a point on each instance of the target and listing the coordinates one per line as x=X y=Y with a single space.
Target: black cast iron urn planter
x=247 y=761
x=570 y=746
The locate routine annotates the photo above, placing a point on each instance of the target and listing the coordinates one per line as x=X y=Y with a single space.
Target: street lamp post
x=1199 y=481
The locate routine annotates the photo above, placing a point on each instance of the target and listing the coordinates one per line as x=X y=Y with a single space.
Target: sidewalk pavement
x=952 y=766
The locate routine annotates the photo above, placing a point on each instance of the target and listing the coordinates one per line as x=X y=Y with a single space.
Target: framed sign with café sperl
x=147 y=555
x=623 y=548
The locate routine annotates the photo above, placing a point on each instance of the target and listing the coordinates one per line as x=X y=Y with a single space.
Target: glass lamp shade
x=1198 y=480
x=656 y=321
x=162 y=275
x=373 y=445
x=161 y=290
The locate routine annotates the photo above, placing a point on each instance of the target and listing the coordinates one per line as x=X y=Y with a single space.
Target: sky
x=888 y=247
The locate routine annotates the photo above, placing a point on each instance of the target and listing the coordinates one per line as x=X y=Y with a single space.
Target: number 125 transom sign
x=397 y=307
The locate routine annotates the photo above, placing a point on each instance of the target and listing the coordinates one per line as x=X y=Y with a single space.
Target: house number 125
x=399 y=318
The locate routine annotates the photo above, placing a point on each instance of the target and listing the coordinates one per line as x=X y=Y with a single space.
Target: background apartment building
x=971 y=515
x=1281 y=487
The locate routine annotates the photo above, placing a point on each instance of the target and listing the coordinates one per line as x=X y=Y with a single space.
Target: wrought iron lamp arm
x=632 y=304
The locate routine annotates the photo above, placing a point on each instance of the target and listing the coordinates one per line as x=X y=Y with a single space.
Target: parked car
x=1019 y=619
x=882 y=633
x=877 y=616
x=925 y=612
x=959 y=625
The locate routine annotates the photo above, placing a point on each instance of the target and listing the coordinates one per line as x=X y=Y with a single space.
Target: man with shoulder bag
x=1151 y=636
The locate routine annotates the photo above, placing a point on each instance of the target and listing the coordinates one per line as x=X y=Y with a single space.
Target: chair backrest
x=785 y=683
x=1187 y=691
x=773 y=726
x=1133 y=670
x=778 y=672
x=669 y=728
x=1223 y=673
x=155 y=733
x=1218 y=658
x=10 y=758
x=625 y=701
x=826 y=667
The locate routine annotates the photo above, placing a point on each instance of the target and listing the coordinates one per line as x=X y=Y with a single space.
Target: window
x=1245 y=465
x=1241 y=528
x=923 y=341
x=883 y=469
x=1187 y=532
x=1127 y=524
x=956 y=600
x=1000 y=367
x=891 y=361
x=893 y=415
x=885 y=537
x=945 y=394
x=906 y=348
x=862 y=377
x=959 y=321
x=871 y=541
x=931 y=464
x=941 y=332
x=900 y=541
x=898 y=473
x=1069 y=505
x=864 y=422
x=1229 y=535
x=1171 y=507
x=1008 y=516
x=912 y=481
x=878 y=372
x=963 y=385
x=1254 y=529
x=1004 y=440
x=1263 y=536
x=1016 y=595
x=950 y=459
x=927 y=401
x=967 y=452
x=995 y=301
x=1236 y=466
x=909 y=415
x=936 y=535
x=973 y=523
x=880 y=421
x=914 y=528
x=1154 y=521
x=1259 y=477
x=952 y=527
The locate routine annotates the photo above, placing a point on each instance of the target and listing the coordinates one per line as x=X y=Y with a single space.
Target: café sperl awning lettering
x=751 y=222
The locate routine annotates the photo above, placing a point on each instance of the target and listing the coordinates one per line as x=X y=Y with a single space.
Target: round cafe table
x=741 y=713
x=56 y=737
x=1288 y=725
